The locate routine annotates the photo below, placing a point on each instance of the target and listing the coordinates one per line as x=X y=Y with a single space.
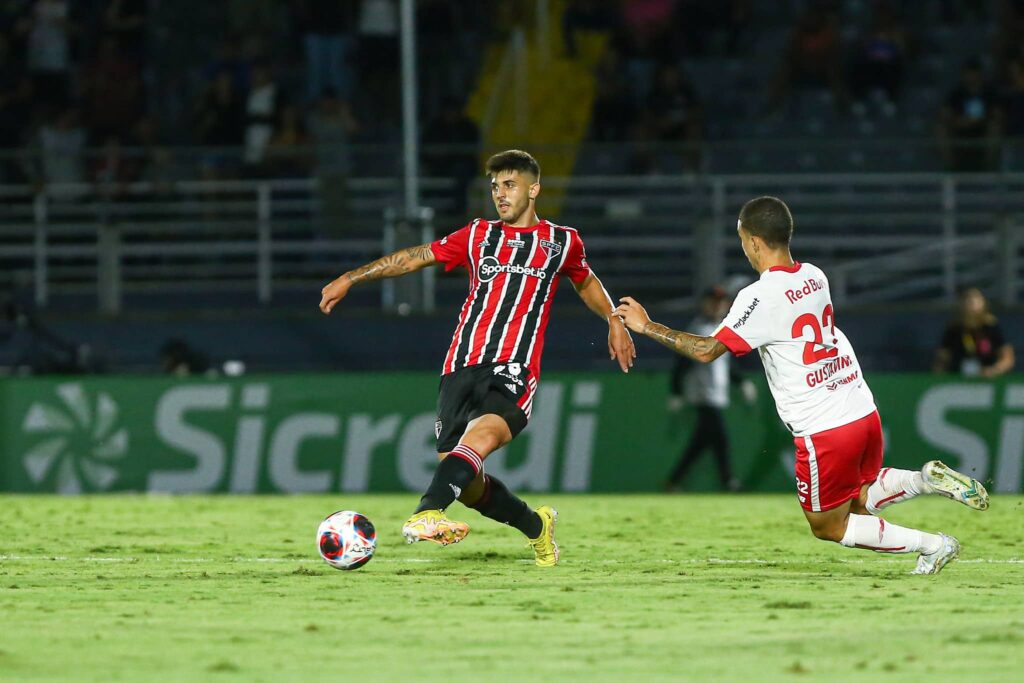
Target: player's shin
x=501 y=505
x=453 y=474
x=874 y=533
x=894 y=486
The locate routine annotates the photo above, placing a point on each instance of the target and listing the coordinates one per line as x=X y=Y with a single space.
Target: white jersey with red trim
x=813 y=373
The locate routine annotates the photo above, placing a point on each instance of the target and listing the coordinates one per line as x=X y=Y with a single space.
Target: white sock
x=874 y=533
x=894 y=486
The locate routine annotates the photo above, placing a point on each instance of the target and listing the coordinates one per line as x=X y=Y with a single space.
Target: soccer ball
x=346 y=540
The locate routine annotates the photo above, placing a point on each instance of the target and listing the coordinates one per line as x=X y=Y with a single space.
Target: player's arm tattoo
x=703 y=349
x=394 y=265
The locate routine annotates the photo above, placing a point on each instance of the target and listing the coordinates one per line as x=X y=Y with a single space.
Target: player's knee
x=829 y=531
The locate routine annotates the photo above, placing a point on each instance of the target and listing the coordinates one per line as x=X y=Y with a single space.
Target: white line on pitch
x=426 y=560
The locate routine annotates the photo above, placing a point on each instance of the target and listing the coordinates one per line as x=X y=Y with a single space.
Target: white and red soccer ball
x=346 y=540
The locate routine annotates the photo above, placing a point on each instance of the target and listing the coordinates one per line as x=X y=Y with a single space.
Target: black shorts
x=502 y=389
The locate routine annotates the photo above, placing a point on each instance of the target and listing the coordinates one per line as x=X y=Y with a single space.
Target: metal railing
x=883 y=238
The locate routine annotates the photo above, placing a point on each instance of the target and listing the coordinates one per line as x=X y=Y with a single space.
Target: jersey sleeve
x=576 y=267
x=453 y=250
x=748 y=323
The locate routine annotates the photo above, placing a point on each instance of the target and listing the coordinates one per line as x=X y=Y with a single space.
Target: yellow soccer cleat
x=434 y=525
x=544 y=546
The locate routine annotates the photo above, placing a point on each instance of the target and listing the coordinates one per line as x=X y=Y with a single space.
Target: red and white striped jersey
x=513 y=275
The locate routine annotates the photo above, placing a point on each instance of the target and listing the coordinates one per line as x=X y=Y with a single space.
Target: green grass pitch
x=651 y=588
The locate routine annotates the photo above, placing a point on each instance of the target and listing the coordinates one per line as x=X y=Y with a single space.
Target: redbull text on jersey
x=812 y=285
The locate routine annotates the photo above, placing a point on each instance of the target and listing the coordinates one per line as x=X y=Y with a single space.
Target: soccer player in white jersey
x=821 y=395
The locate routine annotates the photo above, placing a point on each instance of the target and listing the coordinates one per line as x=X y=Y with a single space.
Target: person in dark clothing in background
x=706 y=388
x=973 y=344
x=969 y=122
x=180 y=359
x=453 y=153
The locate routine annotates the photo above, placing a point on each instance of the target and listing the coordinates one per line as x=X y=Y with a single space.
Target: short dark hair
x=512 y=160
x=768 y=218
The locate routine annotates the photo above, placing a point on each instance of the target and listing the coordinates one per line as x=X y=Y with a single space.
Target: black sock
x=503 y=506
x=454 y=474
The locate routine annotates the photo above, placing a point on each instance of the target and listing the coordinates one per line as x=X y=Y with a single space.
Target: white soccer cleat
x=932 y=563
x=947 y=482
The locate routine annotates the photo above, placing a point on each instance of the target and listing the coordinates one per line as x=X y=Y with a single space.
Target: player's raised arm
x=620 y=344
x=393 y=265
x=695 y=346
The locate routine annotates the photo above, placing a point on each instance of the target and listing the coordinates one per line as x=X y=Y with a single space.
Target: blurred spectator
x=229 y=58
x=61 y=144
x=181 y=360
x=456 y=153
x=257 y=22
x=879 y=63
x=288 y=148
x=112 y=90
x=973 y=344
x=262 y=111
x=700 y=26
x=1013 y=100
x=811 y=59
x=153 y=160
x=47 y=26
x=326 y=28
x=674 y=114
x=115 y=167
x=439 y=46
x=378 y=52
x=15 y=98
x=969 y=122
x=584 y=15
x=1009 y=22
x=706 y=388
x=125 y=20
x=220 y=122
x=332 y=126
x=613 y=112
x=648 y=23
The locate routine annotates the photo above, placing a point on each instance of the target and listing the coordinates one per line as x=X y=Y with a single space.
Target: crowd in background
x=273 y=77
x=859 y=52
x=278 y=77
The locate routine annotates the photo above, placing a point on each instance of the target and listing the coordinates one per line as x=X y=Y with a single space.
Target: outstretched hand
x=632 y=314
x=620 y=344
x=334 y=292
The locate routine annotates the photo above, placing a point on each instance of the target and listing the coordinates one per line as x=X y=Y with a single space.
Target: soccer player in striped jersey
x=821 y=395
x=492 y=367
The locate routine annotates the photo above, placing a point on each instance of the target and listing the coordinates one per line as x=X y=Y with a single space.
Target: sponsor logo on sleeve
x=746 y=314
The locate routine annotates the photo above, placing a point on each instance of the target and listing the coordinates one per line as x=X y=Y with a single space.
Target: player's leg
x=496 y=501
x=889 y=485
x=831 y=469
x=464 y=462
x=457 y=397
x=699 y=440
x=720 y=448
x=897 y=486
